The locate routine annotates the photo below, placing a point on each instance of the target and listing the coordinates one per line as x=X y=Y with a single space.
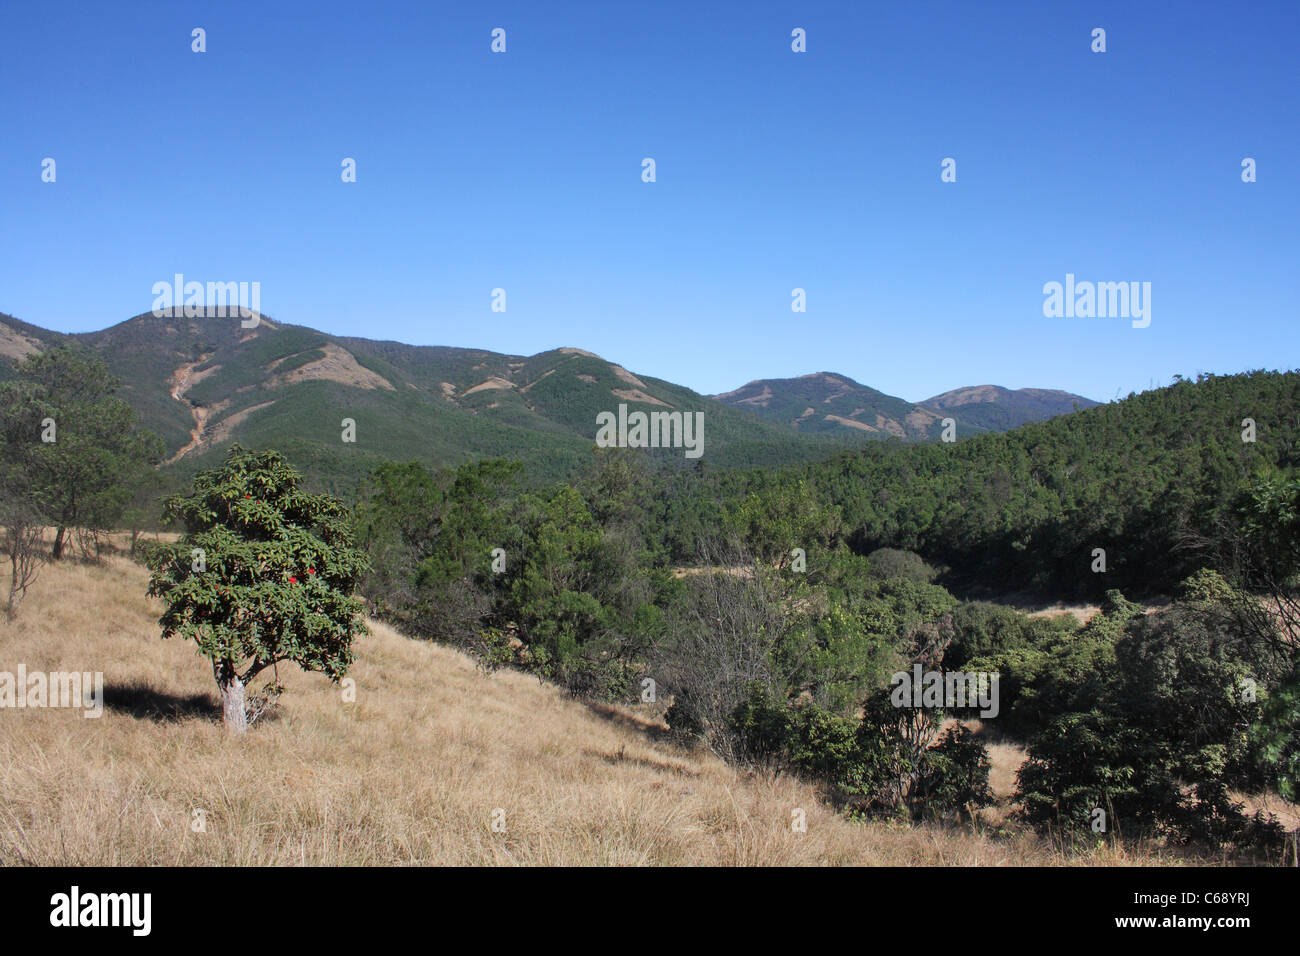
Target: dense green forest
x=1152 y=480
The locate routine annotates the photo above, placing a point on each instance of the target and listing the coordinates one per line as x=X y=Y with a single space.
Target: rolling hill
x=994 y=408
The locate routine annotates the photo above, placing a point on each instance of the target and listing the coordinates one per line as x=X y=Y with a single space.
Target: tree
x=21 y=544
x=1264 y=559
x=20 y=517
x=1272 y=529
x=265 y=572
x=73 y=442
x=141 y=512
x=1278 y=731
x=1158 y=735
x=720 y=645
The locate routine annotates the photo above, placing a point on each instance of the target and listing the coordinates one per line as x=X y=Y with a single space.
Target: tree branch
x=256 y=668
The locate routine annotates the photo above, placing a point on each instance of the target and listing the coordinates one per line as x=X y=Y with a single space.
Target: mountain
x=202 y=383
x=827 y=403
x=994 y=408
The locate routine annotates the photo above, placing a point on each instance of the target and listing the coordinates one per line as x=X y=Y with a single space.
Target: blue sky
x=775 y=170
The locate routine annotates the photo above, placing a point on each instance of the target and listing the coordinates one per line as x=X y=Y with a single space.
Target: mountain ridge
x=202 y=383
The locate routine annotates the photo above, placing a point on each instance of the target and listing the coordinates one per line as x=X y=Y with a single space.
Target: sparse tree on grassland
x=265 y=572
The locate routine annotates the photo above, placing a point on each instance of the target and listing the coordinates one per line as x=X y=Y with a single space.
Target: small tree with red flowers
x=265 y=572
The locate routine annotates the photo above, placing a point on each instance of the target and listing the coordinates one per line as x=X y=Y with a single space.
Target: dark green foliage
x=1156 y=735
x=1270 y=513
x=1143 y=478
x=774 y=521
x=892 y=563
x=571 y=595
x=1277 y=735
x=982 y=630
x=887 y=762
x=1205 y=585
x=955 y=775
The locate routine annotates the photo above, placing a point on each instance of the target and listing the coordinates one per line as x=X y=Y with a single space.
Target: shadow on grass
x=649 y=726
x=143 y=701
x=662 y=766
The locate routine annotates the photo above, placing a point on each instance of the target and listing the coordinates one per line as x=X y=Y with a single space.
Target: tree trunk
x=12 y=610
x=232 y=699
x=58 y=543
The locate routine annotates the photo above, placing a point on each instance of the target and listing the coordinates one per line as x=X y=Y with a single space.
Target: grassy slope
x=410 y=773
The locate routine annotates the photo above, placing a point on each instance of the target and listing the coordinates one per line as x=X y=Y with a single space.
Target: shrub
x=892 y=563
x=1156 y=736
x=886 y=763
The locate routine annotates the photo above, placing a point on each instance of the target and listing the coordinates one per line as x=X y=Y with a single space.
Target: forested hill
x=1142 y=478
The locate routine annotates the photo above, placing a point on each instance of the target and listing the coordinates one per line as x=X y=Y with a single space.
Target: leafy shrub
x=1204 y=585
x=886 y=763
x=890 y=563
x=955 y=774
x=1157 y=735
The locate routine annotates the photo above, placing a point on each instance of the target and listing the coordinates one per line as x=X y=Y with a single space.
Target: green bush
x=888 y=762
x=1156 y=735
x=890 y=563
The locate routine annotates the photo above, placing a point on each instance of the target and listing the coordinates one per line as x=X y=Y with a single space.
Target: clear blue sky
x=775 y=170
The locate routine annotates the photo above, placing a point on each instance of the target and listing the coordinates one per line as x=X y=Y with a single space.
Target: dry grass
x=410 y=773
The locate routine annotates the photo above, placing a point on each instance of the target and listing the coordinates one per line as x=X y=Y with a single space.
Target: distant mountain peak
x=996 y=393
x=832 y=402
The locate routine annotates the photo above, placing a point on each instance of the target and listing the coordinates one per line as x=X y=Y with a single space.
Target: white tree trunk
x=232 y=699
